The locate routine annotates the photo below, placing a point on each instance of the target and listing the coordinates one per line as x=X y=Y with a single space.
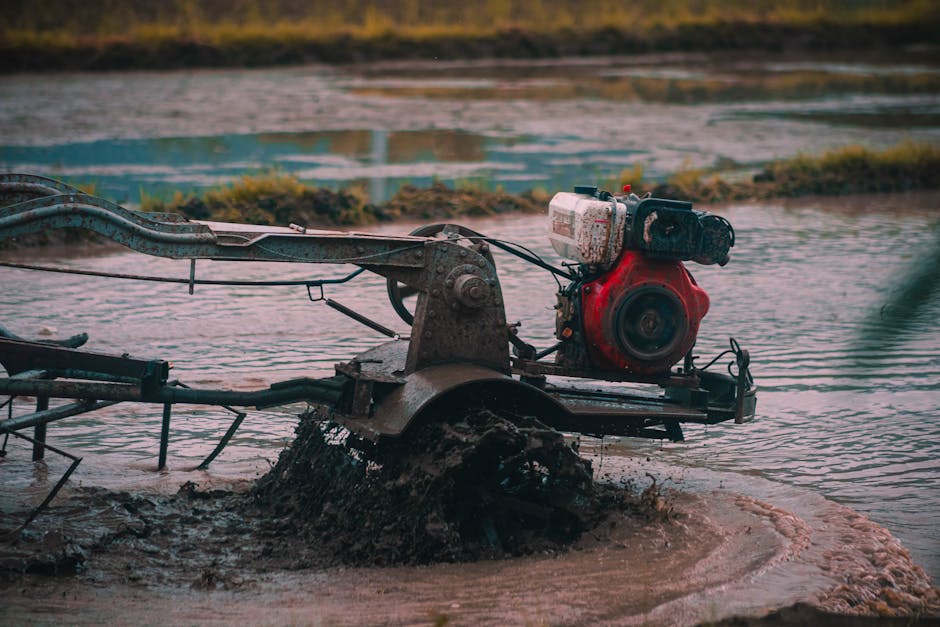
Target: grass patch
x=272 y=199
x=109 y=34
x=277 y=198
x=848 y=170
x=281 y=199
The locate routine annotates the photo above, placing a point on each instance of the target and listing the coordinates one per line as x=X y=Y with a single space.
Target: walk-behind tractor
x=627 y=313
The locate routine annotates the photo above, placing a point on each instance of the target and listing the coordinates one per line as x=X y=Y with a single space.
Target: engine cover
x=642 y=315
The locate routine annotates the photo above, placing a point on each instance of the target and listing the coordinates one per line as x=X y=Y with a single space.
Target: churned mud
x=478 y=487
x=481 y=519
x=481 y=486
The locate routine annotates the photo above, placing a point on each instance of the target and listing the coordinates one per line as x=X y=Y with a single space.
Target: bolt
x=463 y=253
x=449 y=283
x=432 y=313
x=360 y=249
x=436 y=292
x=427 y=334
x=419 y=254
x=440 y=269
x=484 y=247
x=481 y=262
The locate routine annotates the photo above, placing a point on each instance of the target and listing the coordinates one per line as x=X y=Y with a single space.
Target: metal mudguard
x=436 y=392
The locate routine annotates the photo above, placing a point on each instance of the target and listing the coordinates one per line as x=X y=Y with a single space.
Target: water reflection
x=664 y=86
x=905 y=117
x=847 y=402
x=913 y=304
x=126 y=169
x=514 y=124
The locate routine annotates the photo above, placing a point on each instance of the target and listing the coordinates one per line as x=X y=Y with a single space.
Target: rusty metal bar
x=358 y=317
x=21 y=355
x=72 y=389
x=328 y=390
x=34 y=184
x=529 y=367
x=39 y=431
x=164 y=435
x=51 y=415
x=168 y=236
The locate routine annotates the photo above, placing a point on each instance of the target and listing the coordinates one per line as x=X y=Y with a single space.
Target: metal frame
x=459 y=344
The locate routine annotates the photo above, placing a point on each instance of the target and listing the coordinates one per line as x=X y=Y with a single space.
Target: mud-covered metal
x=17 y=355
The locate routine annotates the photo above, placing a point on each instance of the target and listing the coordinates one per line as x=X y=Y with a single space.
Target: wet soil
x=536 y=538
x=193 y=558
x=479 y=486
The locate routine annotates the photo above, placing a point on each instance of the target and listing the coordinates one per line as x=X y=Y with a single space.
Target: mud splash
x=479 y=486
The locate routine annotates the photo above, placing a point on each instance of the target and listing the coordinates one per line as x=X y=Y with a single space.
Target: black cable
x=526 y=254
x=160 y=279
x=712 y=362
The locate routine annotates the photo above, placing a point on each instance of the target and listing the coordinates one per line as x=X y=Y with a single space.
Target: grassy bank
x=112 y=34
x=849 y=170
x=282 y=199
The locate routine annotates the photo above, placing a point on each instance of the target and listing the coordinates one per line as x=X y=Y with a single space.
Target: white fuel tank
x=586 y=229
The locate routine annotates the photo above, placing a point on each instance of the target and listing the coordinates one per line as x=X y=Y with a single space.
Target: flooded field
x=836 y=299
x=517 y=125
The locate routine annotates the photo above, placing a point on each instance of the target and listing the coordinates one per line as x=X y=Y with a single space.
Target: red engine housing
x=642 y=315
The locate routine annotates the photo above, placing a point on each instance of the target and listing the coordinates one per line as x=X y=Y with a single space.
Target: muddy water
x=836 y=300
x=517 y=125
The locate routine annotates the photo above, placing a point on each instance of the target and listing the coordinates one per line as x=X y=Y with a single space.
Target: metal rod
x=328 y=390
x=358 y=317
x=548 y=351
x=71 y=389
x=224 y=441
x=192 y=275
x=526 y=350
x=51 y=415
x=163 y=279
x=39 y=432
x=55 y=490
x=6 y=435
x=164 y=435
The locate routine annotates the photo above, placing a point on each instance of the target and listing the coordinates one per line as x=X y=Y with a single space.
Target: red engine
x=632 y=304
x=642 y=315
